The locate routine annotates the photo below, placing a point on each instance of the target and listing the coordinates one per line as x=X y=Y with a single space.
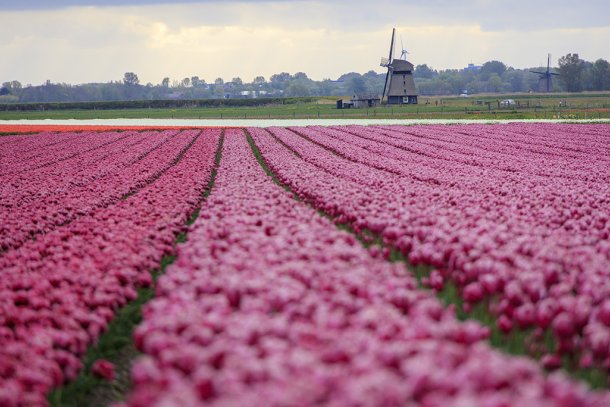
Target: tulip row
x=41 y=139
x=507 y=231
x=509 y=148
x=58 y=293
x=269 y=303
x=55 y=148
x=8 y=131
x=77 y=169
x=435 y=147
x=73 y=188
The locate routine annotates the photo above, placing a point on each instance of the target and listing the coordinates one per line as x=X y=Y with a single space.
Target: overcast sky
x=97 y=41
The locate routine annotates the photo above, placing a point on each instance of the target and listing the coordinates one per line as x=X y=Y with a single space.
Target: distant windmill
x=399 y=85
x=545 y=79
x=404 y=52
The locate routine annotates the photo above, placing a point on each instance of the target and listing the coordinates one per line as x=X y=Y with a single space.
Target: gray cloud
x=491 y=15
x=57 y=40
x=58 y=4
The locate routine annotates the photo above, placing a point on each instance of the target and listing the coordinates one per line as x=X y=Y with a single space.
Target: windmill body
x=399 y=85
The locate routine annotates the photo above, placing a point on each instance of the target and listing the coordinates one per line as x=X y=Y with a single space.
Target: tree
x=111 y=92
x=12 y=86
x=371 y=75
x=357 y=85
x=423 y=71
x=219 y=82
x=325 y=87
x=259 y=80
x=600 y=75
x=570 y=72
x=130 y=79
x=280 y=78
x=300 y=76
x=458 y=84
x=297 y=89
x=165 y=82
x=237 y=81
x=4 y=91
x=195 y=81
x=185 y=82
x=515 y=79
x=219 y=90
x=494 y=83
x=490 y=68
x=474 y=86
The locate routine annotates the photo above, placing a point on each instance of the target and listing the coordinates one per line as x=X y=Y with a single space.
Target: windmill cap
x=402 y=65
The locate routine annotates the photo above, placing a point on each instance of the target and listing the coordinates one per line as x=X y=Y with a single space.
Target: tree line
x=575 y=75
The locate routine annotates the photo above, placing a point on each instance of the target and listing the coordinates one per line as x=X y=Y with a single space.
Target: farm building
x=360 y=101
x=366 y=100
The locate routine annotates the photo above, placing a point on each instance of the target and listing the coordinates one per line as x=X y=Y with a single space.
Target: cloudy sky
x=78 y=41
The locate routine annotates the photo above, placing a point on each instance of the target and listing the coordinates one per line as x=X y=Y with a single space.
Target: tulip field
x=428 y=265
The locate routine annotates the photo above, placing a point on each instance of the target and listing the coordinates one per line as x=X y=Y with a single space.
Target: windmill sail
x=403 y=52
x=391 y=56
x=389 y=65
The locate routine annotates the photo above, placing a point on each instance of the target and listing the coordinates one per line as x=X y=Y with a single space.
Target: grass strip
x=261 y=161
x=17 y=133
x=115 y=345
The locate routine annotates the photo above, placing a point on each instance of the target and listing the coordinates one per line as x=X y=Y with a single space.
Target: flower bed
x=526 y=235
x=268 y=303
x=39 y=200
x=58 y=293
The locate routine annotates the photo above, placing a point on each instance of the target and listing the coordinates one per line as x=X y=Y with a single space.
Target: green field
x=527 y=106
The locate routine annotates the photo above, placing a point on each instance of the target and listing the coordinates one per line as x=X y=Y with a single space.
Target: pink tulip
x=66 y=285
x=268 y=303
x=305 y=316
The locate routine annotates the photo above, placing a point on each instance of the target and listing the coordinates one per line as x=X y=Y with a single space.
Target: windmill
x=545 y=79
x=399 y=86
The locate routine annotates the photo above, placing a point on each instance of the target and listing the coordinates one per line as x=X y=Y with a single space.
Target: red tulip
x=525 y=315
x=504 y=324
x=104 y=369
x=551 y=362
x=563 y=326
x=603 y=313
x=473 y=293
